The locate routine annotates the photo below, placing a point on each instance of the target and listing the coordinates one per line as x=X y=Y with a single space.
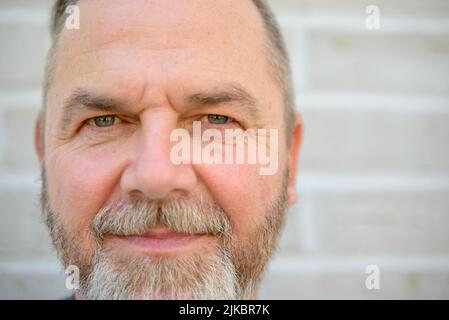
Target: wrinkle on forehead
x=157 y=48
x=167 y=24
x=228 y=34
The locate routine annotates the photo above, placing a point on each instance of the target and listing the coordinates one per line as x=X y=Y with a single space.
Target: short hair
x=277 y=57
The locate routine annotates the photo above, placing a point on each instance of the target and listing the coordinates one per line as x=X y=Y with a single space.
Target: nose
x=150 y=171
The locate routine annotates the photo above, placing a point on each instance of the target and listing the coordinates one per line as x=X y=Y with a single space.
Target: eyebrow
x=82 y=99
x=227 y=94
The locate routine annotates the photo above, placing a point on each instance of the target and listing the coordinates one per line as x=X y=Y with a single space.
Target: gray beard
x=230 y=270
x=204 y=276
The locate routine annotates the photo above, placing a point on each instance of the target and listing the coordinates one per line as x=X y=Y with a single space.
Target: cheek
x=79 y=184
x=241 y=191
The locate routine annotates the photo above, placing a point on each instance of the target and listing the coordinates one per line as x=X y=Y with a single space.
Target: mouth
x=162 y=241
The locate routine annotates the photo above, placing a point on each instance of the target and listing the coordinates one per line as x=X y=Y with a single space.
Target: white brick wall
x=374 y=172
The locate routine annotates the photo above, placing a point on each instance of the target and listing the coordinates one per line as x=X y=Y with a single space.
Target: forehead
x=219 y=36
x=170 y=22
x=175 y=46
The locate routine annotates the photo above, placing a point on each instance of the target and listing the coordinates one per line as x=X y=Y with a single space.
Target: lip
x=162 y=241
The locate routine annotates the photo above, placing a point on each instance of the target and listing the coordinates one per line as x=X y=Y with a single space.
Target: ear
x=38 y=141
x=294 y=151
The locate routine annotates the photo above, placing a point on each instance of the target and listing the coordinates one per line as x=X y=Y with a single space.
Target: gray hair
x=276 y=49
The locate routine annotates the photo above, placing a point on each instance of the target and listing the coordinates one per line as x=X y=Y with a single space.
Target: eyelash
x=117 y=120
x=207 y=118
x=91 y=121
x=109 y=129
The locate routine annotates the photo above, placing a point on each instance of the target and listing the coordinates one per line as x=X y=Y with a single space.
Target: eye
x=217 y=119
x=104 y=121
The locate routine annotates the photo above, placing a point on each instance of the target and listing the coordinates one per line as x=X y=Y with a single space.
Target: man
x=136 y=223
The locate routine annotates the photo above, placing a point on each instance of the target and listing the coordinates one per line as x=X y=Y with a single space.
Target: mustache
x=138 y=216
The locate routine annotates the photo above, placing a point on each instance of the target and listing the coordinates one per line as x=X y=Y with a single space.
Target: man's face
x=136 y=224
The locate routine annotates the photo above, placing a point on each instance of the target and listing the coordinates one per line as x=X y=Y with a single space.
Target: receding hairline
x=276 y=52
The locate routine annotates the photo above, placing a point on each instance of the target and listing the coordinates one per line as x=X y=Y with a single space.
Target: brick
x=351 y=285
x=336 y=140
x=394 y=223
x=22 y=231
x=25 y=4
x=278 y=284
x=32 y=285
x=375 y=62
x=406 y=61
x=23 y=54
x=19 y=152
x=406 y=9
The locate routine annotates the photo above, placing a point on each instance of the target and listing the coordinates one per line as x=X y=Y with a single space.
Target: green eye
x=217 y=119
x=104 y=121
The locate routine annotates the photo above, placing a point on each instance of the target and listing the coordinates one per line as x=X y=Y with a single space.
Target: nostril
x=156 y=182
x=154 y=176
